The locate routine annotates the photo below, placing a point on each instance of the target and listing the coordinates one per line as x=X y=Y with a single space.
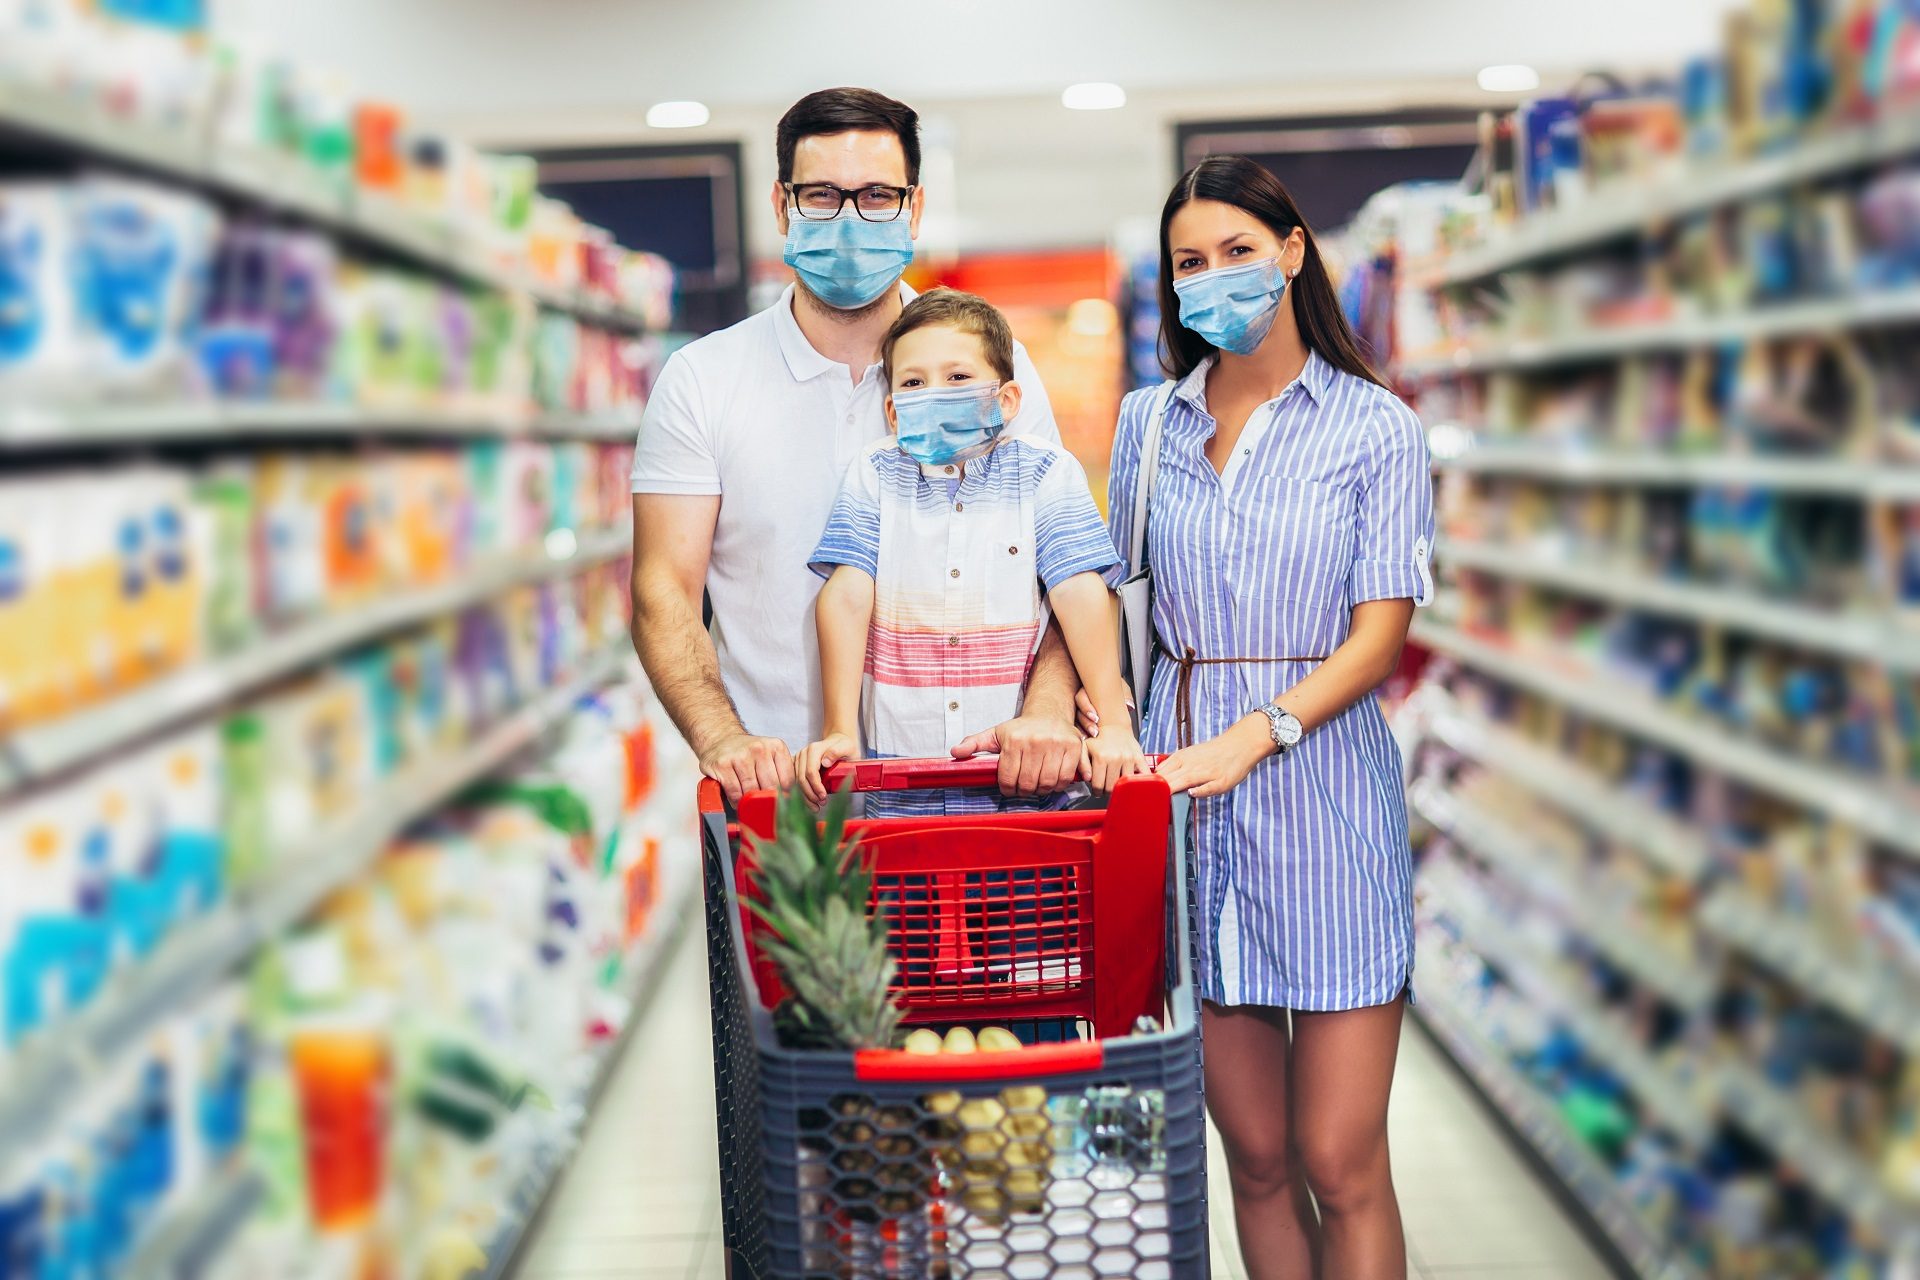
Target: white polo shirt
x=755 y=415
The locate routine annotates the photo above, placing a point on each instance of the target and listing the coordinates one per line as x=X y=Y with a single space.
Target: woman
x=1288 y=530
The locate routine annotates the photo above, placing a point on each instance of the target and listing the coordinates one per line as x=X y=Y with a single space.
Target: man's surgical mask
x=939 y=425
x=847 y=262
x=1233 y=307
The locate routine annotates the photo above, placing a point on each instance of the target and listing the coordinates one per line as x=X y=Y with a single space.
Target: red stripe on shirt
x=921 y=659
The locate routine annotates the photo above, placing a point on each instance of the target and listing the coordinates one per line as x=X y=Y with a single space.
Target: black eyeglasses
x=822 y=201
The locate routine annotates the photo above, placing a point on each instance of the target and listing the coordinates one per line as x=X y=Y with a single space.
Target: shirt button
x=953 y=706
x=949 y=470
x=953 y=573
x=1013 y=551
x=959 y=506
x=953 y=642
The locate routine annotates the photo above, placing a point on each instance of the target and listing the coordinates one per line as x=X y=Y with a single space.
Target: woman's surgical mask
x=939 y=425
x=1233 y=307
x=847 y=262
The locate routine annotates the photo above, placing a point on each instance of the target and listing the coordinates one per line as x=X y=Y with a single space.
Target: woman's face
x=1206 y=235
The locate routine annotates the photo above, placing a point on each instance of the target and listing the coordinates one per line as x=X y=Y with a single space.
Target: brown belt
x=1183 y=692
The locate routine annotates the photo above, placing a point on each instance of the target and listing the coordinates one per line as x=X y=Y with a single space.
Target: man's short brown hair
x=831 y=111
x=950 y=308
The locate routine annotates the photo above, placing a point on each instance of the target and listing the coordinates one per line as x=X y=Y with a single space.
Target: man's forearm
x=1054 y=681
x=680 y=662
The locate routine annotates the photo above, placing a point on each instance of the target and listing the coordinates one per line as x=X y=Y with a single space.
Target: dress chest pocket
x=1292 y=539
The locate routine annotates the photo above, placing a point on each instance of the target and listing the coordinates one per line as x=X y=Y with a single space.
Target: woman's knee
x=1261 y=1165
x=1345 y=1172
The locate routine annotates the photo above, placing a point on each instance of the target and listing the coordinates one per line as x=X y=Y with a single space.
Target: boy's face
x=940 y=356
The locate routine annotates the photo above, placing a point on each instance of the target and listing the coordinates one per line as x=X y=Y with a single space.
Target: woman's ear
x=1293 y=254
x=1009 y=401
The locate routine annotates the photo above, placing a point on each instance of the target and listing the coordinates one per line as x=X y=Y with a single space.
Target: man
x=746 y=438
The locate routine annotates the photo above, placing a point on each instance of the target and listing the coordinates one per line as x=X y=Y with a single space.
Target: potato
x=924 y=1040
x=959 y=1040
x=998 y=1040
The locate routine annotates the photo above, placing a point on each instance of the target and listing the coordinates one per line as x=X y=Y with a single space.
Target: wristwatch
x=1285 y=726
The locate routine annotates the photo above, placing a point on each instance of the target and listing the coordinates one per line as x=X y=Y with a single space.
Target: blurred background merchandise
x=340 y=839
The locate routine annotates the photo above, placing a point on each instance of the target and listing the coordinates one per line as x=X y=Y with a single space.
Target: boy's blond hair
x=950 y=308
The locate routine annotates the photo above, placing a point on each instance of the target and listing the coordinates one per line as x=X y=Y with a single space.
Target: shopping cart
x=1080 y=1155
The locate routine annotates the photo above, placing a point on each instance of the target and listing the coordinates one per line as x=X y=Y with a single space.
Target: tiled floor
x=641 y=1201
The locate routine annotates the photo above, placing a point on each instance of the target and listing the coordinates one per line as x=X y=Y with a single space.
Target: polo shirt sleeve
x=1393 y=542
x=1035 y=419
x=1069 y=535
x=675 y=452
x=852 y=535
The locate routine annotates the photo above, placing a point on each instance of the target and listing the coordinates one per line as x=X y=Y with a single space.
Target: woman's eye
x=1241 y=248
x=1187 y=264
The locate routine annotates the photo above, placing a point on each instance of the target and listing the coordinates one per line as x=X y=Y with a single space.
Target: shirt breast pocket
x=1294 y=540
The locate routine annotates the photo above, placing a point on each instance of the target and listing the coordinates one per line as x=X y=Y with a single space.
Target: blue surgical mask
x=939 y=425
x=847 y=262
x=1233 y=307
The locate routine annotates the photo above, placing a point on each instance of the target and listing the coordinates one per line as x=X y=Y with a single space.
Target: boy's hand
x=1113 y=756
x=812 y=763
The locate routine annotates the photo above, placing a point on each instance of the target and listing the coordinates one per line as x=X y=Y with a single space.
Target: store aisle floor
x=642 y=1200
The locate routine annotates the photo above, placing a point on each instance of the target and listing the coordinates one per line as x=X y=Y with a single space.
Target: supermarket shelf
x=1844 y=1178
x=1677 y=1106
x=1536 y=1120
x=108 y=425
x=50 y=1071
x=1821 y=315
x=1852 y=799
x=1866 y=479
x=1575 y=790
x=1617 y=214
x=1873 y=994
x=543 y=1172
x=1677 y=978
x=180 y=1244
x=278 y=183
x=1855 y=635
x=35 y=753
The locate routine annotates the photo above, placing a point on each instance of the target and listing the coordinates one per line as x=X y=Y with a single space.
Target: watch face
x=1287 y=729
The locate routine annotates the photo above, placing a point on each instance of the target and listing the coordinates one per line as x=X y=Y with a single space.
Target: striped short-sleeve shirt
x=959 y=556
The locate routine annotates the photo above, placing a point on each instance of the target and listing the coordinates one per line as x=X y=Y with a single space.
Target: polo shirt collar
x=803 y=361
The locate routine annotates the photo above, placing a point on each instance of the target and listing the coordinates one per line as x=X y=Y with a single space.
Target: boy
x=935 y=556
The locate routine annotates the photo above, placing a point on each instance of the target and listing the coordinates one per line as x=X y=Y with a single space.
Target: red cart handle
x=921 y=775
x=876 y=1065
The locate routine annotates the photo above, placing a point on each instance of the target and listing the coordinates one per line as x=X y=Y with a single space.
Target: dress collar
x=1315 y=378
x=803 y=361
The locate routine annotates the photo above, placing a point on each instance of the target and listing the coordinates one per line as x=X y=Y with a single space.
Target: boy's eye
x=959 y=377
x=908 y=384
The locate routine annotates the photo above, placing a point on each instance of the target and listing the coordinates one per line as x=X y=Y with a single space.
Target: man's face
x=861 y=158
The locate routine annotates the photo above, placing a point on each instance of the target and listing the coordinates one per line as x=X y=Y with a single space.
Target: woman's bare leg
x=1342 y=1073
x=1248 y=1082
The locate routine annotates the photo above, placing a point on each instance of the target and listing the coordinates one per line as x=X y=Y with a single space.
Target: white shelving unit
x=1627 y=211
x=52 y=1069
x=1865 y=804
x=1573 y=464
x=1677 y=978
x=276 y=182
x=1798 y=625
x=38 y=752
x=116 y=426
x=1536 y=1120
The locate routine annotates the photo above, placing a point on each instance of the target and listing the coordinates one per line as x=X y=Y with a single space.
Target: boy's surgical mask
x=847 y=262
x=939 y=425
x=1233 y=307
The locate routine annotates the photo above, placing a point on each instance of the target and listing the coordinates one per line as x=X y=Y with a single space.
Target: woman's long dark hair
x=1238 y=181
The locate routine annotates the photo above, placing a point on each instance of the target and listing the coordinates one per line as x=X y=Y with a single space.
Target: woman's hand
x=812 y=763
x=1220 y=764
x=1112 y=756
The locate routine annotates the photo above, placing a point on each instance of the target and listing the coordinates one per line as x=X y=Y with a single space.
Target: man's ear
x=780 y=205
x=916 y=206
x=1009 y=401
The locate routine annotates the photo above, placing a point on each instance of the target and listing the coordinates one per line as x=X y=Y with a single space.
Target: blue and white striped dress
x=1306 y=874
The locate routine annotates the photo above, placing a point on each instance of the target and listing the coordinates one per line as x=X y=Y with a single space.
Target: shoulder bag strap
x=1149 y=471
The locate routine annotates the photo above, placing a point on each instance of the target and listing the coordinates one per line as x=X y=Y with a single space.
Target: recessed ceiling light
x=1512 y=77
x=1097 y=96
x=676 y=115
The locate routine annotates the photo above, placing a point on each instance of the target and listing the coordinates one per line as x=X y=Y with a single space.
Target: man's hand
x=819 y=757
x=1039 y=755
x=741 y=763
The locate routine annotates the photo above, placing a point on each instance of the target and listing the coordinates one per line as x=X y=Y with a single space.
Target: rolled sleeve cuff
x=828 y=558
x=1104 y=565
x=1393 y=579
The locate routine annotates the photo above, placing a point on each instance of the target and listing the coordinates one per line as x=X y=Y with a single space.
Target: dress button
x=953 y=642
